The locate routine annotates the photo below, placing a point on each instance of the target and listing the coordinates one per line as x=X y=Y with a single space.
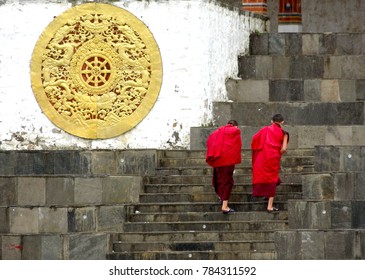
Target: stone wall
x=199 y=41
x=336 y=16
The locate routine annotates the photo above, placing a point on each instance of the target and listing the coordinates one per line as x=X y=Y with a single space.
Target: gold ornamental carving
x=96 y=71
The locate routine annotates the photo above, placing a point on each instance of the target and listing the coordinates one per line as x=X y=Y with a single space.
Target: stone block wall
x=67 y=204
x=331 y=210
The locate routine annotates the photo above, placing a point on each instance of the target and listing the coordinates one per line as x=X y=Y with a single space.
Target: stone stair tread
x=194 y=255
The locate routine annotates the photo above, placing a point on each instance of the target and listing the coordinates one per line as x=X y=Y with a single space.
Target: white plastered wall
x=199 y=41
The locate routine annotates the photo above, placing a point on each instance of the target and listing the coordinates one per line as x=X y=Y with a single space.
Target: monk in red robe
x=223 y=153
x=267 y=146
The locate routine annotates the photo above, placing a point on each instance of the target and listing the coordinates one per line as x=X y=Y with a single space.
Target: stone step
x=294 y=90
x=297 y=44
x=198 y=246
x=206 y=226
x=195 y=236
x=295 y=113
x=294 y=178
x=302 y=137
x=205 y=216
x=209 y=197
x=204 y=188
x=194 y=255
x=178 y=207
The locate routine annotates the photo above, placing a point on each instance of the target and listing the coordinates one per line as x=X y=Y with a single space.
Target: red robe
x=224 y=146
x=223 y=152
x=266 y=145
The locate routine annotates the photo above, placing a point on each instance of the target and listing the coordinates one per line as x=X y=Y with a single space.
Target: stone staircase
x=178 y=215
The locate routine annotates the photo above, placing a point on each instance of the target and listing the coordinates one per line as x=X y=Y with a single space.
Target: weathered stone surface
x=311 y=44
x=358 y=214
x=247 y=67
x=23 y=220
x=341 y=212
x=121 y=189
x=330 y=91
x=248 y=90
x=312 y=90
x=339 y=245
x=264 y=67
x=360 y=89
x=31 y=191
x=293 y=44
x=10 y=247
x=332 y=67
x=306 y=67
x=103 y=163
x=309 y=214
x=136 y=162
x=42 y=247
x=111 y=218
x=288 y=245
x=259 y=44
x=313 y=245
x=286 y=90
x=348 y=91
x=327 y=44
x=8 y=191
x=71 y=162
x=4 y=220
x=60 y=191
x=318 y=186
x=87 y=246
x=280 y=67
x=52 y=220
x=88 y=190
x=276 y=44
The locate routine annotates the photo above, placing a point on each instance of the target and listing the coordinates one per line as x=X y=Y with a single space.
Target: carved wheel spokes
x=96 y=71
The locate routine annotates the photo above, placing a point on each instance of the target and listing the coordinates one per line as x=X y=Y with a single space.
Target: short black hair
x=277 y=118
x=233 y=122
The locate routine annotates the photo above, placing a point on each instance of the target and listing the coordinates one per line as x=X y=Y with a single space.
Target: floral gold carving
x=96 y=71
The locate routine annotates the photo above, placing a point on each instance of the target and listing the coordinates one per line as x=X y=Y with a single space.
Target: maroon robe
x=266 y=145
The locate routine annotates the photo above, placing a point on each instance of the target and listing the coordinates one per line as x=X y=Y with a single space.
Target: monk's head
x=278 y=118
x=233 y=122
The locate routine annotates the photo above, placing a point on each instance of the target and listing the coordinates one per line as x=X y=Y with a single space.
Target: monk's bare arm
x=285 y=144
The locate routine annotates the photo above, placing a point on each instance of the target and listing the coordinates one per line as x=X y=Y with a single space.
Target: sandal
x=273 y=210
x=230 y=211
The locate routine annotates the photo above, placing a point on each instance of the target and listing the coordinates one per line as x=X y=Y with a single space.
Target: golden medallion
x=96 y=71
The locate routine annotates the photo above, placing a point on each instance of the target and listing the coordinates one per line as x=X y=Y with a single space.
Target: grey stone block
x=10 y=247
x=312 y=247
x=249 y=91
x=360 y=89
x=332 y=67
x=341 y=213
x=312 y=90
x=309 y=214
x=286 y=90
x=281 y=67
x=276 y=44
x=352 y=67
x=88 y=190
x=138 y=162
x=103 y=163
x=310 y=136
x=247 y=67
x=8 y=191
x=4 y=220
x=121 y=189
x=293 y=44
x=42 y=247
x=327 y=44
x=358 y=214
x=344 y=185
x=87 y=246
x=23 y=220
x=307 y=67
x=71 y=162
x=264 y=67
x=330 y=91
x=7 y=162
x=311 y=44
x=82 y=219
x=111 y=218
x=344 y=248
x=318 y=186
x=348 y=90
x=53 y=220
x=222 y=112
x=259 y=44
x=288 y=245
x=31 y=191
x=359 y=190
x=344 y=44
x=338 y=135
x=60 y=191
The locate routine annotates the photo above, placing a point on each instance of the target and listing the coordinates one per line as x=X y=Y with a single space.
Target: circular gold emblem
x=96 y=71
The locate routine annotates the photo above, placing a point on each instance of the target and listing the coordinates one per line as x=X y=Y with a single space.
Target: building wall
x=333 y=16
x=199 y=41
